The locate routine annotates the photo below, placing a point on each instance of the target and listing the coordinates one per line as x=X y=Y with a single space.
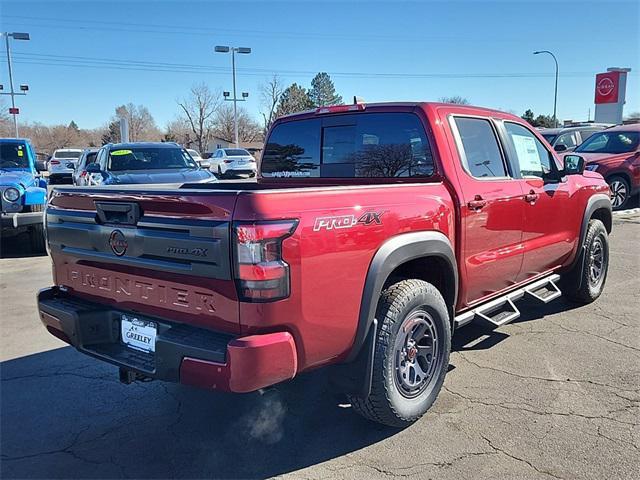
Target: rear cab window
x=363 y=145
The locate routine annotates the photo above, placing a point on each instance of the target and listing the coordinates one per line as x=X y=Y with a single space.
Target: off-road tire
x=386 y=404
x=36 y=232
x=578 y=285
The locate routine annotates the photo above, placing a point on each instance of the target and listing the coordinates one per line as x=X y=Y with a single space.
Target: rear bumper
x=189 y=355
x=17 y=220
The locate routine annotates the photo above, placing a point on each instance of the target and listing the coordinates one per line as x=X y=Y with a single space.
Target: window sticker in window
x=527 y=152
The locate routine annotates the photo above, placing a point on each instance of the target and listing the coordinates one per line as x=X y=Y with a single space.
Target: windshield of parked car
x=549 y=138
x=13 y=155
x=610 y=142
x=149 y=158
x=236 y=152
x=72 y=154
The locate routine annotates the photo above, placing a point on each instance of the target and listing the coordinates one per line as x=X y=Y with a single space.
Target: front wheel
x=620 y=191
x=411 y=354
x=586 y=282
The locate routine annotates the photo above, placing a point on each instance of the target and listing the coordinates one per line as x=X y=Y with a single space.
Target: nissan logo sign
x=118 y=243
x=605 y=86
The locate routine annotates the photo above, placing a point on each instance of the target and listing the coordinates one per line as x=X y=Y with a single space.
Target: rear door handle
x=531 y=197
x=477 y=203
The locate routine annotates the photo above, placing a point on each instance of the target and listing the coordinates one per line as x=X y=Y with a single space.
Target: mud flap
x=354 y=378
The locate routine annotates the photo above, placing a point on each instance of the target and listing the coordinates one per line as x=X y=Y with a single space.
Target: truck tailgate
x=163 y=253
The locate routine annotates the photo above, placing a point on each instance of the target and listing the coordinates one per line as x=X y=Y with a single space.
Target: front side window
x=611 y=142
x=480 y=151
x=533 y=158
x=91 y=158
x=149 y=158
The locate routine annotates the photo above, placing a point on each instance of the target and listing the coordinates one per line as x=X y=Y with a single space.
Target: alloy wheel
x=417 y=354
x=618 y=193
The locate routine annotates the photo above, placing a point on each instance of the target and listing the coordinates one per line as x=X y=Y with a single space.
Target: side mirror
x=93 y=168
x=560 y=147
x=41 y=165
x=573 y=165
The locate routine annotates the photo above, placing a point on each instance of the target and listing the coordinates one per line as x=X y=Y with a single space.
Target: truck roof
x=382 y=106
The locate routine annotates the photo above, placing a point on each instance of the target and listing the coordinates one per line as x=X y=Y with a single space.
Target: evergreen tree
x=529 y=116
x=294 y=99
x=323 y=92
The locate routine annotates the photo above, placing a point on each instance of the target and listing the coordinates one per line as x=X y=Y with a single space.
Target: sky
x=87 y=57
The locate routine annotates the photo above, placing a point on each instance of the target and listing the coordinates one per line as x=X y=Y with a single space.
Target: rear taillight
x=261 y=274
x=228 y=161
x=54 y=162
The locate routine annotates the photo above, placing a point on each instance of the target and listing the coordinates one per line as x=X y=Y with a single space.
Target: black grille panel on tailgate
x=190 y=247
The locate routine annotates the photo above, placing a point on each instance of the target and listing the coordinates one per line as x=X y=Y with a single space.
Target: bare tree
x=142 y=126
x=248 y=129
x=457 y=99
x=6 y=127
x=199 y=112
x=270 y=94
x=179 y=130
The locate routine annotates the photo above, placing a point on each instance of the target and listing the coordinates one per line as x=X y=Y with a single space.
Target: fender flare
x=393 y=253
x=596 y=202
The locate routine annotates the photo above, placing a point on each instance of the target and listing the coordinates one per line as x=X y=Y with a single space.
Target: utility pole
x=24 y=88
x=235 y=99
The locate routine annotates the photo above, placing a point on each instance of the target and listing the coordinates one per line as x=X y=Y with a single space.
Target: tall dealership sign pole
x=610 y=92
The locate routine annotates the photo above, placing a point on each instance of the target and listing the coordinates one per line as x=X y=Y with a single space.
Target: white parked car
x=228 y=162
x=198 y=158
x=62 y=164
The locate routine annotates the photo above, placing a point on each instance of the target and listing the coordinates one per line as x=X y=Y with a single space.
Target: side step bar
x=503 y=310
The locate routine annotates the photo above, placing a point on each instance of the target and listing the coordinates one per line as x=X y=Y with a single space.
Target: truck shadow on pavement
x=65 y=415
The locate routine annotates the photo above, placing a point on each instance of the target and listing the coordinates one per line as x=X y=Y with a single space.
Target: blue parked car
x=145 y=162
x=23 y=192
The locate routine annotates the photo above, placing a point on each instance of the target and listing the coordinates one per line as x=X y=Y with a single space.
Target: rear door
x=163 y=253
x=491 y=209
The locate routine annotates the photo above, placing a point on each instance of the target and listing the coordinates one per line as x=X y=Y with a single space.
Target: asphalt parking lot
x=554 y=395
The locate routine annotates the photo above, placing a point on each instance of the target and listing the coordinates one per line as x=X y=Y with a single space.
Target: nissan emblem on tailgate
x=118 y=243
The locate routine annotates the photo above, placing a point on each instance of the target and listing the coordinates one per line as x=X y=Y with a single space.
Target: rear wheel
x=411 y=355
x=586 y=282
x=620 y=191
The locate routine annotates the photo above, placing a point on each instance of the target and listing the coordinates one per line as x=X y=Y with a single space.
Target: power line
x=142 y=65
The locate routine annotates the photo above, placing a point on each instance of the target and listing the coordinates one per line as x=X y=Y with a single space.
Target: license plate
x=138 y=334
x=242 y=162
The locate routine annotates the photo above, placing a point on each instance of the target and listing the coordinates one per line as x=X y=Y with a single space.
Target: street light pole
x=16 y=36
x=555 y=93
x=235 y=99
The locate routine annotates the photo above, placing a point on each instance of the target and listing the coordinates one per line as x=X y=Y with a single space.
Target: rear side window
x=387 y=145
x=480 y=151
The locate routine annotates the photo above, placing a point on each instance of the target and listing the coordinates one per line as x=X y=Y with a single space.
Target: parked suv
x=23 y=192
x=615 y=154
x=228 y=162
x=146 y=162
x=373 y=233
x=566 y=139
x=62 y=164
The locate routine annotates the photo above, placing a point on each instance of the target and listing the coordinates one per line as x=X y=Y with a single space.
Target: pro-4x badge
x=347 y=221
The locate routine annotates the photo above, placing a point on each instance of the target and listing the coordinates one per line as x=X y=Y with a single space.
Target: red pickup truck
x=372 y=234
